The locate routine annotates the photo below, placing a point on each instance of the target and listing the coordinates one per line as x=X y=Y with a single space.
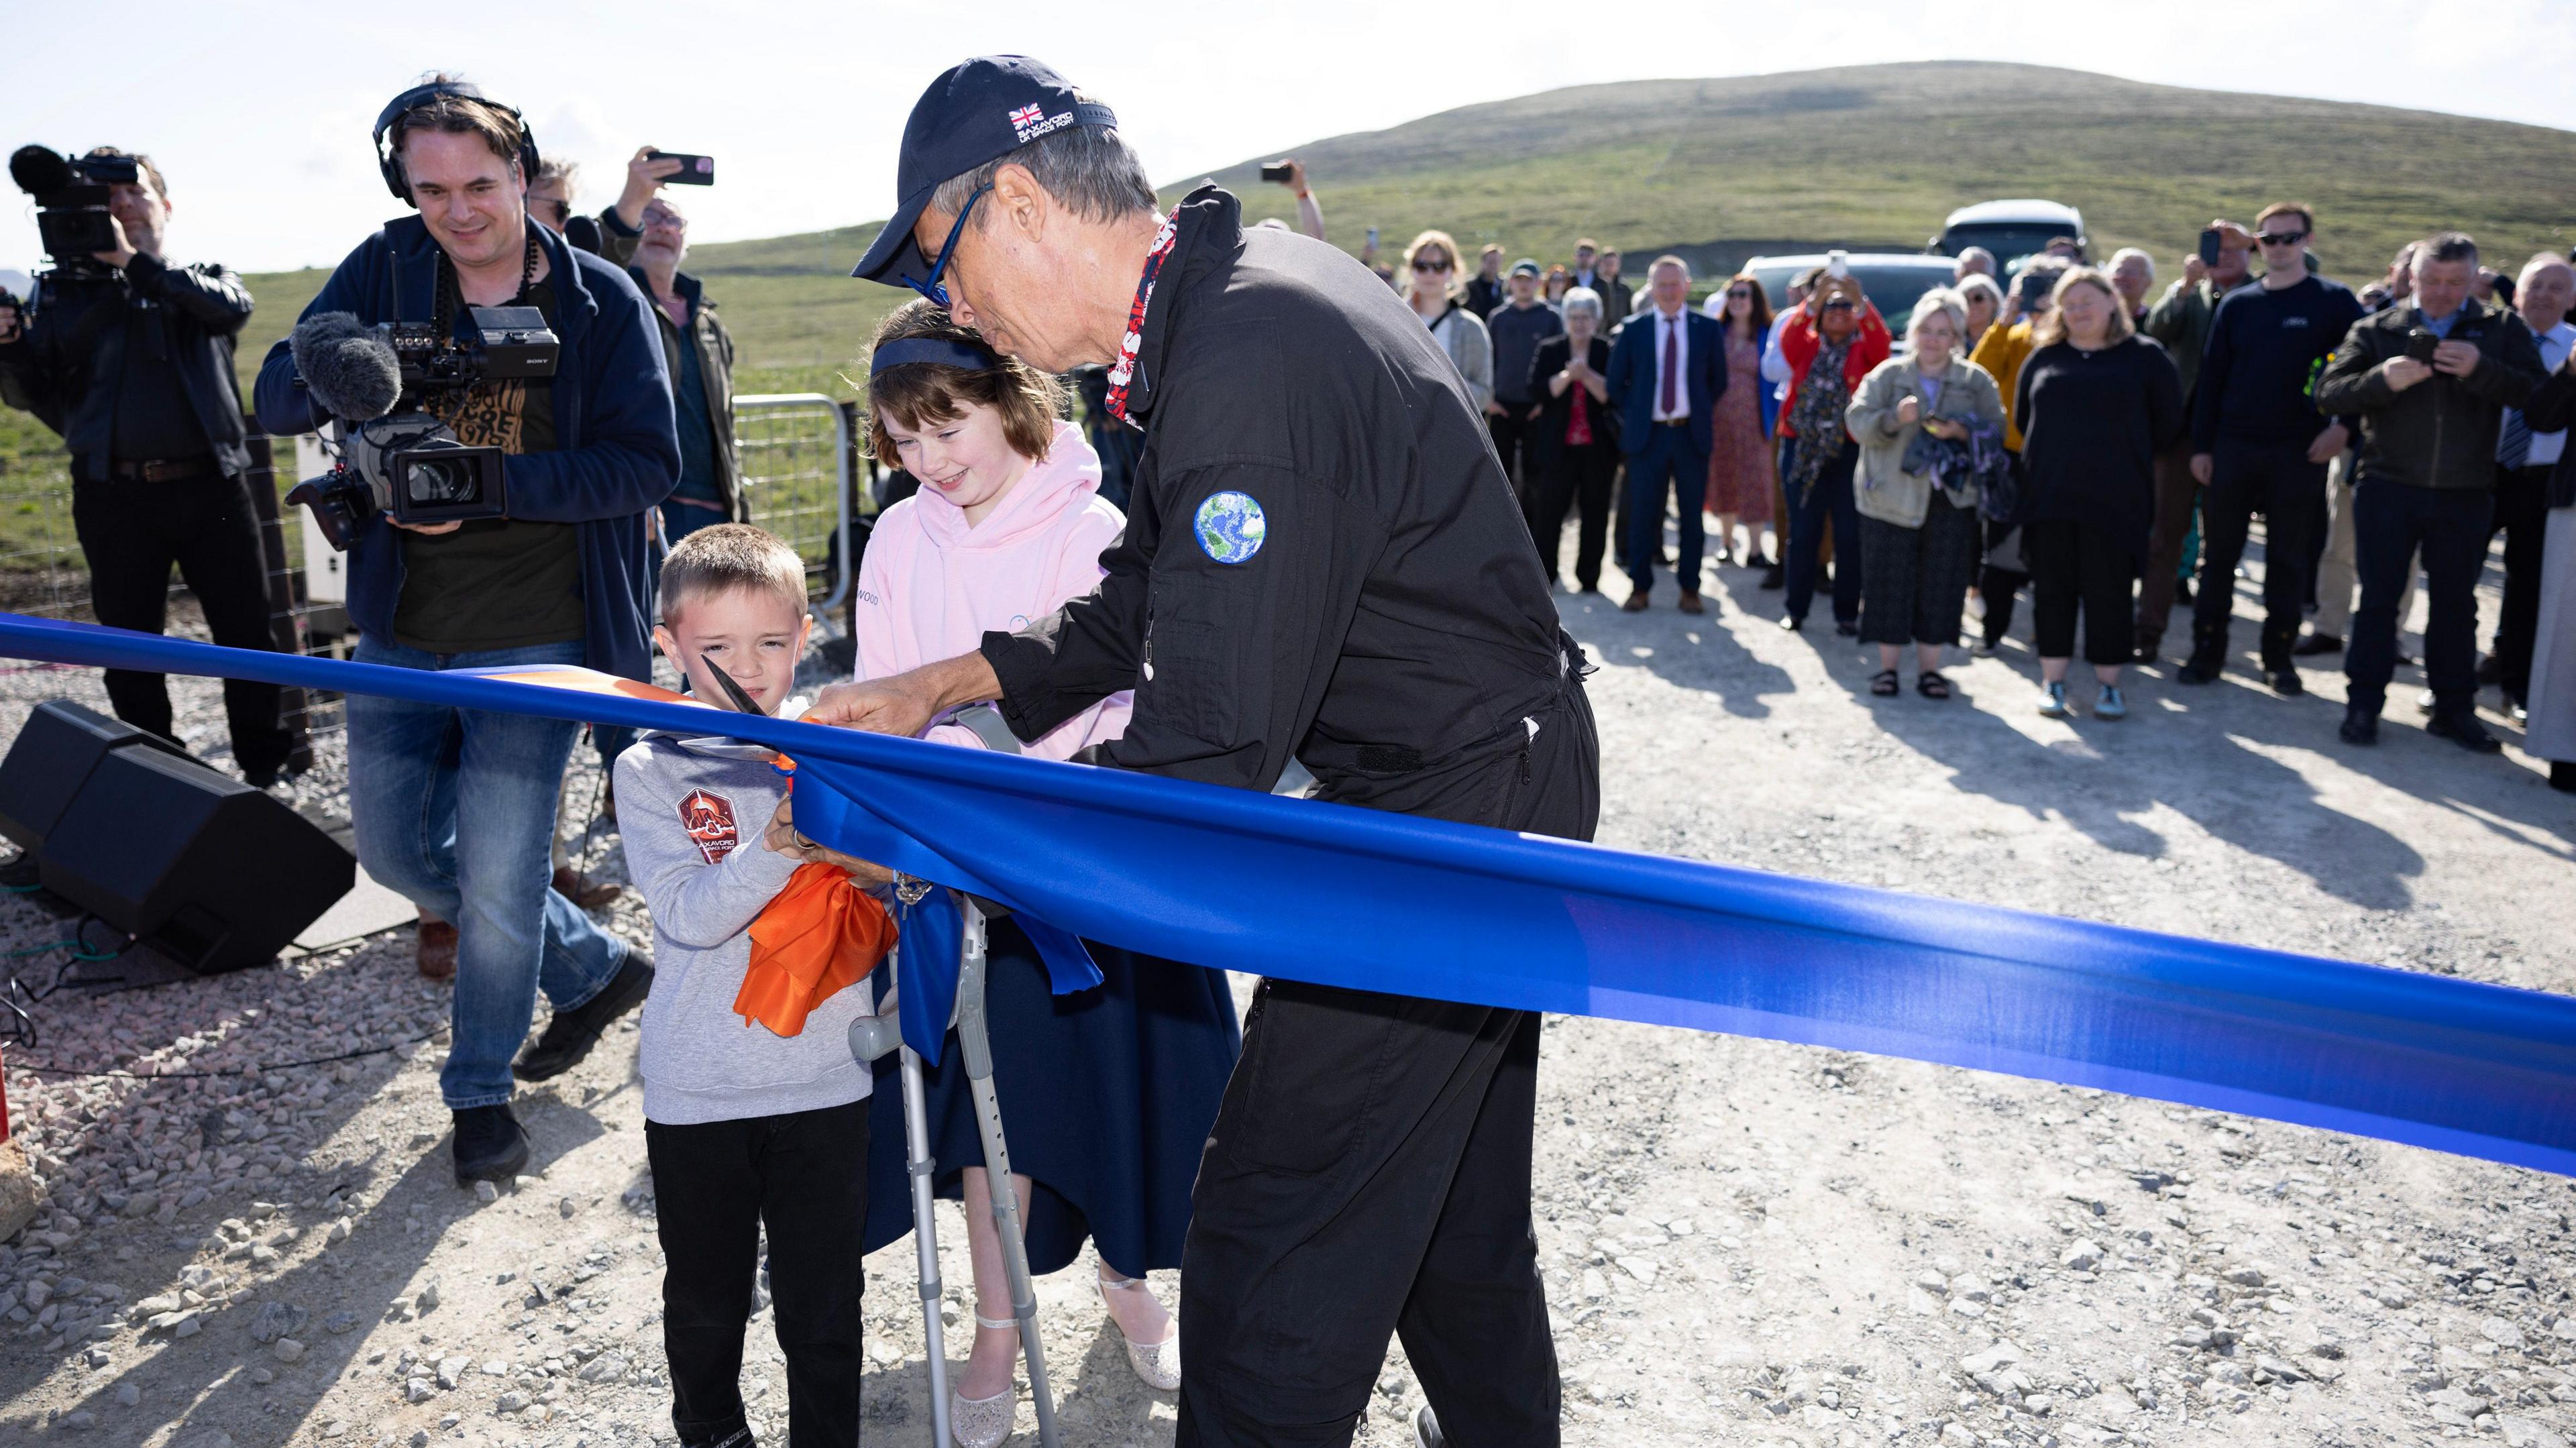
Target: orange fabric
x=592 y=681
x=818 y=937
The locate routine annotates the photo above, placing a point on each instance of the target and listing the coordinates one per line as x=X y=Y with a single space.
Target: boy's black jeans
x=804 y=1175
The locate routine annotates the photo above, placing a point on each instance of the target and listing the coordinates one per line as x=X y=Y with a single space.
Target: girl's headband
x=904 y=351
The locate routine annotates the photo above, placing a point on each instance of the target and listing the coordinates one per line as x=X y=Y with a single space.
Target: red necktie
x=1672 y=361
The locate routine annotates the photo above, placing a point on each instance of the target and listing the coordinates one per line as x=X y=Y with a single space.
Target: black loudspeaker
x=51 y=759
x=201 y=869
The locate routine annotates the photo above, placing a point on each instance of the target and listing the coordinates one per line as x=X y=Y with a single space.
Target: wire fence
x=801 y=476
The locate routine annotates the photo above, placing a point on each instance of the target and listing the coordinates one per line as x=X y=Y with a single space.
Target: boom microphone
x=348 y=366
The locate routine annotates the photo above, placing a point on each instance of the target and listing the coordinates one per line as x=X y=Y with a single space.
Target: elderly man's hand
x=2330 y=443
x=2193 y=269
x=906 y=703
x=2456 y=359
x=2401 y=373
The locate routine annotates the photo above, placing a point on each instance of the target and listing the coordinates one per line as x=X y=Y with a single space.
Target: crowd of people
x=2068 y=429
x=1197 y=608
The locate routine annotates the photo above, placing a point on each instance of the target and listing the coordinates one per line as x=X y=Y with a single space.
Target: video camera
x=397 y=458
x=71 y=203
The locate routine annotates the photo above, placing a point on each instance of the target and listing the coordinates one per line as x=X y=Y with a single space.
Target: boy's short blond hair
x=726 y=557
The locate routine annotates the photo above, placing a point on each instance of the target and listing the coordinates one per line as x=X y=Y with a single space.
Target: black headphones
x=390 y=163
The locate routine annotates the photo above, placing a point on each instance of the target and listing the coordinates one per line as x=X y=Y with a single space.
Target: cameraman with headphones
x=565 y=578
x=131 y=360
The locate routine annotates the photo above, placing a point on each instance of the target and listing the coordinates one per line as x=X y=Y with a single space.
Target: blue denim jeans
x=414 y=770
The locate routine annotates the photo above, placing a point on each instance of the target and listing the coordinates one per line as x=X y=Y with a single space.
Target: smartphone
x=2209 y=247
x=1837 y=264
x=694 y=170
x=2032 y=288
x=1275 y=172
x=1372 y=238
x=2421 y=343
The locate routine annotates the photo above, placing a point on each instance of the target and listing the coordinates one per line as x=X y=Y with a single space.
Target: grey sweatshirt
x=692 y=824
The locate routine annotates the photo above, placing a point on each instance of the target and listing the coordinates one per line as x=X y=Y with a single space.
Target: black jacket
x=1390 y=626
x=2441 y=432
x=1484 y=293
x=2552 y=406
x=2092 y=424
x=66 y=364
x=1547 y=434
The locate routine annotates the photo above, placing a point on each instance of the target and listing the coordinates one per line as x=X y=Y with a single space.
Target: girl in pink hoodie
x=1107 y=1096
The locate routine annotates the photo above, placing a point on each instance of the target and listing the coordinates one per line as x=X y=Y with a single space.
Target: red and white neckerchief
x=1123 y=371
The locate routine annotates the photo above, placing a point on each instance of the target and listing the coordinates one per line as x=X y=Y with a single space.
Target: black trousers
x=1998 y=586
x=132 y=532
x=2177 y=493
x=805 y=1177
x=1575 y=479
x=1915 y=579
x=2072 y=566
x=1511 y=433
x=2453 y=526
x=1369 y=1173
x=2522 y=515
x=2289 y=491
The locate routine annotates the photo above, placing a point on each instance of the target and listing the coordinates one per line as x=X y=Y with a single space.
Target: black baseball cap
x=976 y=111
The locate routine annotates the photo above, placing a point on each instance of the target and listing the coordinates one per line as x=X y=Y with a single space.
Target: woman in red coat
x=1830 y=343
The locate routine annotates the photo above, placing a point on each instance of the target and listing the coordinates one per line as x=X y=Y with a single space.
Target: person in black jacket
x=1573 y=440
x=2426 y=478
x=2259 y=444
x=2096 y=403
x=1322 y=563
x=1485 y=289
x=135 y=370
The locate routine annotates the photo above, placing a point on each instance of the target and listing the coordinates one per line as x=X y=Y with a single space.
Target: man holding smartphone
x=2430 y=384
x=2180 y=321
x=2260 y=445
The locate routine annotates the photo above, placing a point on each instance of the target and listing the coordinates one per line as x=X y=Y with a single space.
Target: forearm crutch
x=978 y=1053
x=870 y=1038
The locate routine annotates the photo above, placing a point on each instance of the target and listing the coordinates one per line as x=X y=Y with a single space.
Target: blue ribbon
x=1351 y=897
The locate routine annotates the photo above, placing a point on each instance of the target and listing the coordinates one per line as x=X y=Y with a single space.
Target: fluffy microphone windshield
x=349 y=368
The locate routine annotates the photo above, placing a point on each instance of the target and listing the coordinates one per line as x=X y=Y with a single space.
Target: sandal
x=1883 y=683
x=1931 y=686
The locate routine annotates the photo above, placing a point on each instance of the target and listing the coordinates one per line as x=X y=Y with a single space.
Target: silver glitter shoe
x=1157 y=1364
x=983 y=1422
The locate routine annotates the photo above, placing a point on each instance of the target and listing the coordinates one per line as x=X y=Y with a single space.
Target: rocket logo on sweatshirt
x=709 y=820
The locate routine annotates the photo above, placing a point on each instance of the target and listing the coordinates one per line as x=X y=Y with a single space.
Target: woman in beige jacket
x=1917 y=497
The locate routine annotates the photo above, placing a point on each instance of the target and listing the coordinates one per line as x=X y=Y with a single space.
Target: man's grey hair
x=2540 y=262
x=1979 y=253
x=550 y=168
x=1942 y=302
x=1580 y=299
x=1087 y=169
x=2447 y=246
x=2141 y=253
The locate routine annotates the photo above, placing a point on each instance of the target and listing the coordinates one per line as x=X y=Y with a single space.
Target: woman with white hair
x=2133 y=276
x=1984 y=302
x=1438 y=294
x=1931 y=431
x=1573 y=439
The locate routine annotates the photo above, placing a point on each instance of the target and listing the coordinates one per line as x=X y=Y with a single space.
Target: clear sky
x=259 y=113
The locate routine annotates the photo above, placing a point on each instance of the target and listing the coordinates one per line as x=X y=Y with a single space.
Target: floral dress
x=1739 y=461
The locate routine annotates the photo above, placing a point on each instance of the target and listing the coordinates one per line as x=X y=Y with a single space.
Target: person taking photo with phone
x=132 y=363
x=2429 y=384
x=565 y=578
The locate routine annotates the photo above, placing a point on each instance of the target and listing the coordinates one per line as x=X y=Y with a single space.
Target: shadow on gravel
x=1717 y=664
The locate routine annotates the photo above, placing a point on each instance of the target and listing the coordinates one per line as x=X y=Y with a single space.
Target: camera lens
x=442 y=480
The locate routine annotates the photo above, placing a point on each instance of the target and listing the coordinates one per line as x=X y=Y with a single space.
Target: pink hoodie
x=930 y=586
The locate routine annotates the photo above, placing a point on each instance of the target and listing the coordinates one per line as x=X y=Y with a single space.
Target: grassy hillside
x=1881 y=153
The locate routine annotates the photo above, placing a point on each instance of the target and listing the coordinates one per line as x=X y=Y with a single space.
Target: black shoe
x=2315 y=644
x=2182 y=591
x=571 y=1034
x=2562 y=775
x=1792 y=622
x=1772 y=577
x=2204 y=666
x=2360 y=725
x=2285 y=682
x=2465 y=731
x=1426 y=1429
x=489 y=1145
x=1848 y=628
x=2148 y=650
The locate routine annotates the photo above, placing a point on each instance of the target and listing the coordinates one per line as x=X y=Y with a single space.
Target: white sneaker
x=1157 y=1364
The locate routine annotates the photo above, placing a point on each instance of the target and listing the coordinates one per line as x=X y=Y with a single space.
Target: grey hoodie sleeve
x=694 y=902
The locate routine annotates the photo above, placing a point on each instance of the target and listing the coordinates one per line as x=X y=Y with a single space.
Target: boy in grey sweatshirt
x=744 y=1128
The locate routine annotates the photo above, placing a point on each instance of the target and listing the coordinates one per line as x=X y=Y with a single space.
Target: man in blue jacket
x=566 y=578
x=1666 y=369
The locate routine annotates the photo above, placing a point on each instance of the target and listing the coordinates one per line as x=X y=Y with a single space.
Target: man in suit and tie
x=1666 y=370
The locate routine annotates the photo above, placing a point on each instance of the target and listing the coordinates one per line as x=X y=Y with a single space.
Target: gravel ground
x=1744 y=1242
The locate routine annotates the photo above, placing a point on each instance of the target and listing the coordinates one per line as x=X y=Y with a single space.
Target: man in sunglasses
x=1322 y=564
x=2259 y=445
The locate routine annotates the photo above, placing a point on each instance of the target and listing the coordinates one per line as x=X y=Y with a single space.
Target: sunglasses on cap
x=1430 y=264
x=2282 y=238
x=933 y=289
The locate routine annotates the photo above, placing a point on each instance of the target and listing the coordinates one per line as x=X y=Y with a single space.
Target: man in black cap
x=1322 y=564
